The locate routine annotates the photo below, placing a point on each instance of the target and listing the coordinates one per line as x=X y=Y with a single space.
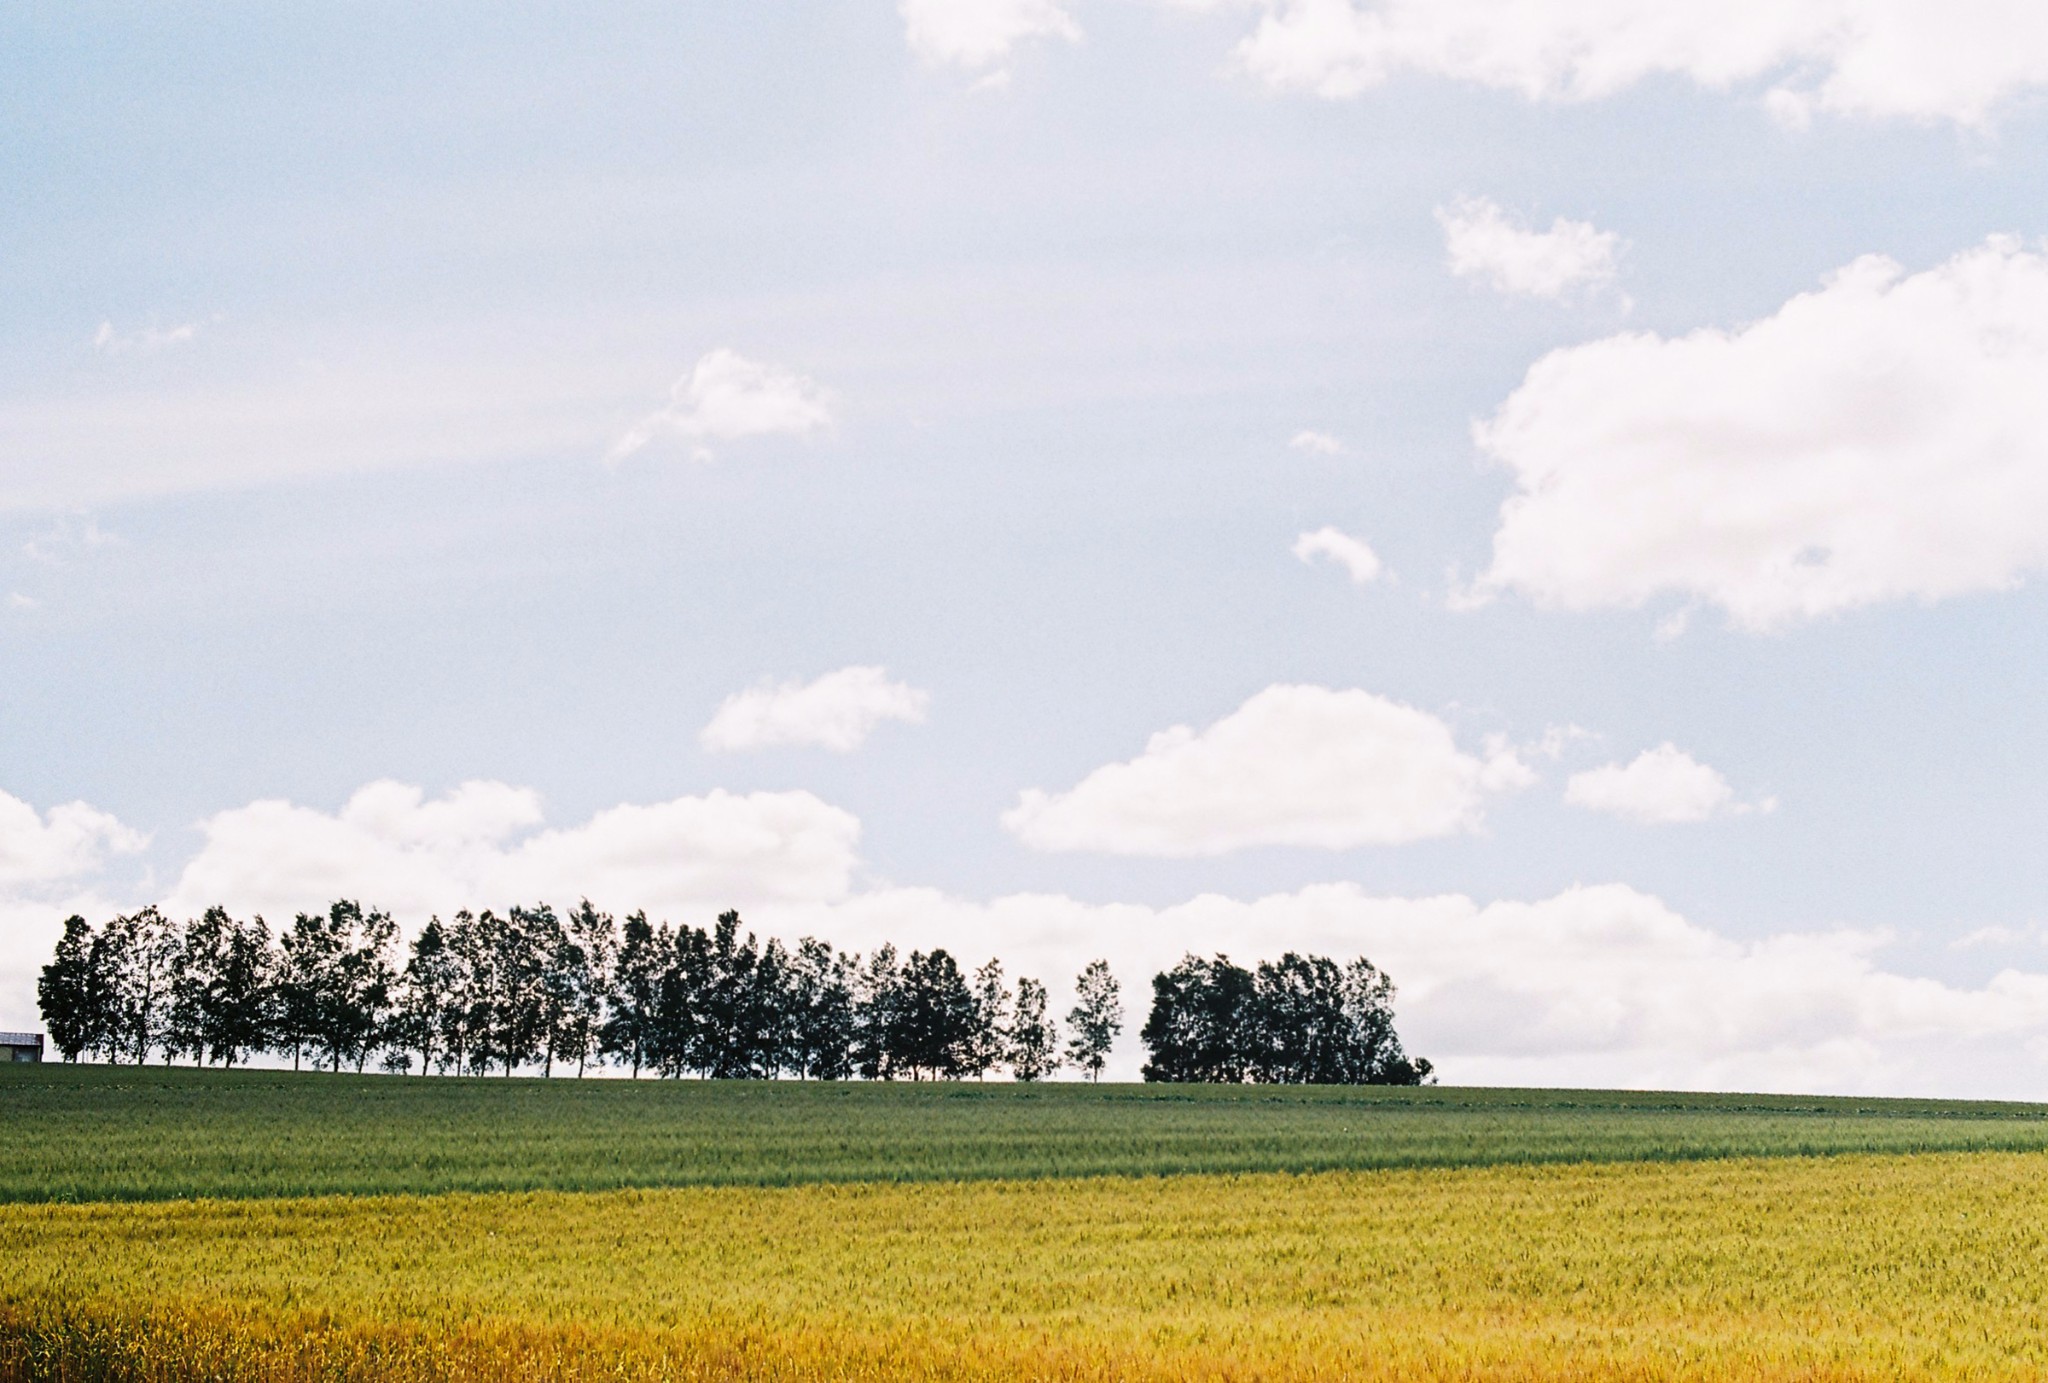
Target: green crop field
x=124 y=1133
x=177 y=1226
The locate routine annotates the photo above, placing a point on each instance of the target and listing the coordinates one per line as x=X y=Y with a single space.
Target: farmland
x=126 y=1133
x=1842 y=1267
x=174 y=1225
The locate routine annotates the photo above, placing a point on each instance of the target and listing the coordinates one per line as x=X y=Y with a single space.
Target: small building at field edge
x=21 y=1046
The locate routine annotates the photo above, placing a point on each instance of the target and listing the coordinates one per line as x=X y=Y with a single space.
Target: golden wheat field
x=1854 y=1267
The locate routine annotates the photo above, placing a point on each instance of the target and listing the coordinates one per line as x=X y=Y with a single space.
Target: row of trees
x=486 y=992
x=531 y=988
x=1300 y=1020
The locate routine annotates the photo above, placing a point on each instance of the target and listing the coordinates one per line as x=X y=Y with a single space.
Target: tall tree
x=821 y=1000
x=593 y=940
x=1199 y=1025
x=360 y=1001
x=221 y=988
x=1301 y=1033
x=679 y=1039
x=138 y=953
x=466 y=1010
x=936 y=1016
x=515 y=1022
x=557 y=980
x=1096 y=1018
x=74 y=995
x=632 y=994
x=308 y=954
x=877 y=1019
x=1373 y=1053
x=426 y=992
x=729 y=1017
x=772 y=1014
x=1033 y=1050
x=989 y=1041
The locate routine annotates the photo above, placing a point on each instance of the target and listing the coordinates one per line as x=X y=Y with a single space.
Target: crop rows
x=1848 y=1267
x=98 y=1133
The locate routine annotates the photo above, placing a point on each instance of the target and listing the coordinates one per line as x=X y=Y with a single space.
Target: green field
x=180 y=1226
x=88 y=1133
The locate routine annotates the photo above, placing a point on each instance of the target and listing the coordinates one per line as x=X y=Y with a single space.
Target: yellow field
x=1886 y=1267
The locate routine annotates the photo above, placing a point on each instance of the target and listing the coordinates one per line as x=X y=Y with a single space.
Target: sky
x=1551 y=496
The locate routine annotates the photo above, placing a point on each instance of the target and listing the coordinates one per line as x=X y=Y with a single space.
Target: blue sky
x=973 y=341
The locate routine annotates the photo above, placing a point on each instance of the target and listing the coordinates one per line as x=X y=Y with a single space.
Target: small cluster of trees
x=488 y=992
x=1300 y=1020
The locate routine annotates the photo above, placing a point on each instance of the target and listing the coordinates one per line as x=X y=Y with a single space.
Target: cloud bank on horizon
x=1595 y=985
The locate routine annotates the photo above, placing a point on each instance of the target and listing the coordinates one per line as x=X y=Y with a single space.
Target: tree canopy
x=531 y=988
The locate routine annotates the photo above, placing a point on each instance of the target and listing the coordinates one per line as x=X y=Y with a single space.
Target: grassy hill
x=87 y=1133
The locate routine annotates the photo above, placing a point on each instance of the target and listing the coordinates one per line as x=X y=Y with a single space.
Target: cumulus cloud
x=1663 y=785
x=481 y=845
x=837 y=712
x=1360 y=562
x=1295 y=765
x=1912 y=59
x=1599 y=985
x=980 y=33
x=1884 y=437
x=1316 y=443
x=1483 y=243
x=727 y=397
x=64 y=843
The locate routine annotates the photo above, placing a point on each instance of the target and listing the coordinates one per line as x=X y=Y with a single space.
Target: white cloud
x=1913 y=59
x=479 y=847
x=1295 y=765
x=1360 y=562
x=1662 y=785
x=1484 y=244
x=980 y=33
x=1882 y=438
x=143 y=340
x=727 y=397
x=1316 y=443
x=1594 y=986
x=66 y=843
x=837 y=711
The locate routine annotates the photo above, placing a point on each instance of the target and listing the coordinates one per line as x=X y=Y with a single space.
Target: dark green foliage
x=486 y=993
x=221 y=989
x=1033 y=1048
x=137 y=955
x=72 y=994
x=821 y=1005
x=1199 y=1028
x=936 y=1018
x=1300 y=1020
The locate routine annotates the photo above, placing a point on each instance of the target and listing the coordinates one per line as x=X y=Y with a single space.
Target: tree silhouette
x=1096 y=1018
